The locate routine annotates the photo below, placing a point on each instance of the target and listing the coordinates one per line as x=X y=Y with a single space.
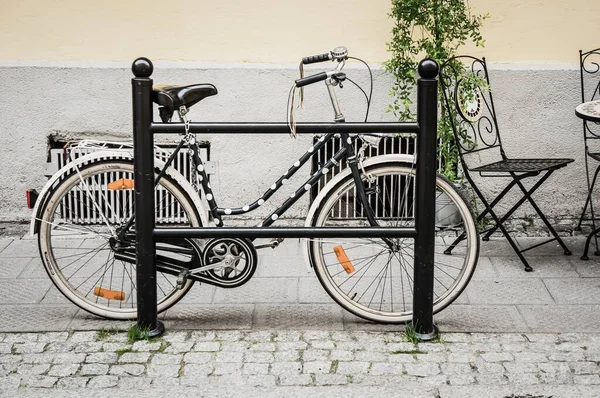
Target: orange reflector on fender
x=109 y=294
x=343 y=259
x=123 y=183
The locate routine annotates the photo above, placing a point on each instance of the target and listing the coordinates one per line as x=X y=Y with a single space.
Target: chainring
x=228 y=262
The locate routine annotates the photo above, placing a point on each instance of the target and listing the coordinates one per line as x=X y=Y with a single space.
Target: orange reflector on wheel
x=343 y=259
x=109 y=294
x=123 y=183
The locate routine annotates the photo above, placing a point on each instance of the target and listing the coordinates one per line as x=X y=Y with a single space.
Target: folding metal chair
x=589 y=71
x=468 y=101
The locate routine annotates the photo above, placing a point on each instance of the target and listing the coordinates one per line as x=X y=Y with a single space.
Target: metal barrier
x=144 y=129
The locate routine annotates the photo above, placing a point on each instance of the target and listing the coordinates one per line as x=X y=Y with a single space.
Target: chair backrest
x=468 y=101
x=589 y=69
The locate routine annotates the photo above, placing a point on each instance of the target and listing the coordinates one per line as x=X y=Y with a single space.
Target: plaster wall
x=272 y=31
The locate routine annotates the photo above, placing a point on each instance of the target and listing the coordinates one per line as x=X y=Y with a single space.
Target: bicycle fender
x=373 y=161
x=117 y=155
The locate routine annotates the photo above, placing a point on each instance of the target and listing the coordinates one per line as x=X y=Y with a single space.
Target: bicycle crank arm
x=272 y=244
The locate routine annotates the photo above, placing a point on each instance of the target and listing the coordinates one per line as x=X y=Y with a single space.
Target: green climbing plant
x=434 y=29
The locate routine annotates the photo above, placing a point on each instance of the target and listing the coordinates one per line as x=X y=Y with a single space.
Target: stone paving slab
x=261 y=290
x=300 y=363
x=283 y=294
x=485 y=269
x=85 y=321
x=589 y=268
x=311 y=291
x=574 y=291
x=354 y=323
x=20 y=248
x=4 y=242
x=25 y=318
x=508 y=291
x=562 y=318
x=481 y=318
x=574 y=243
x=559 y=266
x=34 y=269
x=13 y=267
x=199 y=294
x=26 y=291
x=310 y=316
x=207 y=317
x=54 y=297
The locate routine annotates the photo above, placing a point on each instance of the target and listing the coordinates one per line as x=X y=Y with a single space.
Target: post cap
x=142 y=67
x=428 y=68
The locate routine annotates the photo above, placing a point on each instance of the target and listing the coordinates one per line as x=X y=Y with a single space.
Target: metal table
x=589 y=111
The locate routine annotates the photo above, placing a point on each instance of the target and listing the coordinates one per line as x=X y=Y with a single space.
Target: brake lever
x=338 y=78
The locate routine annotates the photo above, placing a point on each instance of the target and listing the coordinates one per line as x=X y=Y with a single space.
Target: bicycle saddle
x=172 y=97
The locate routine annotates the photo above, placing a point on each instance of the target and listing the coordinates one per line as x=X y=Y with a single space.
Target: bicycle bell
x=339 y=53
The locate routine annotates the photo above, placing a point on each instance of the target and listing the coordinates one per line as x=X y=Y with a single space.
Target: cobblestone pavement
x=300 y=363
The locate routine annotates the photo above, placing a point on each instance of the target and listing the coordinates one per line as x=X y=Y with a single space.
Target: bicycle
x=84 y=219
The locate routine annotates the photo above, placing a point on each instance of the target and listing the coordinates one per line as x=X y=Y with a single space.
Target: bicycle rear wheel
x=77 y=239
x=372 y=277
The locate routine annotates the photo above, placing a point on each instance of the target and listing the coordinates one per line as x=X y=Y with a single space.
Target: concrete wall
x=535 y=108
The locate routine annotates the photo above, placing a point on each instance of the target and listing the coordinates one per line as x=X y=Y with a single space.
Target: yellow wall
x=272 y=30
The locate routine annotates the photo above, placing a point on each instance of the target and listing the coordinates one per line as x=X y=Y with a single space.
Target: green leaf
x=436 y=29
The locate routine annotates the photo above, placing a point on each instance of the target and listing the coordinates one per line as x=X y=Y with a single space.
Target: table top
x=589 y=111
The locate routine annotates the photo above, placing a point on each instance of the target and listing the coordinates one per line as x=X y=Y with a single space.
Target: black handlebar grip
x=315 y=58
x=311 y=79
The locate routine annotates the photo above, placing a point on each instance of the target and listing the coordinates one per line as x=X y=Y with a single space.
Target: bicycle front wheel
x=373 y=277
x=79 y=244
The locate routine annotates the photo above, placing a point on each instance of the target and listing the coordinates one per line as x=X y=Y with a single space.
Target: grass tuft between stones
x=137 y=333
x=106 y=332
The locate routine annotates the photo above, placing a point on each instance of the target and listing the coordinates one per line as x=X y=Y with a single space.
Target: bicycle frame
x=345 y=153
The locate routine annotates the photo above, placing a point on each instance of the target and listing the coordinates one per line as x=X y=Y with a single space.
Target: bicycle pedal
x=275 y=242
x=272 y=244
x=182 y=278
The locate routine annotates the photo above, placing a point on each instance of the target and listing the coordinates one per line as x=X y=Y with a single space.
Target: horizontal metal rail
x=283 y=128
x=286 y=232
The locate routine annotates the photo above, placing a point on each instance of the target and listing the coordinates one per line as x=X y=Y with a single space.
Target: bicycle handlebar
x=313 y=59
x=311 y=79
x=339 y=53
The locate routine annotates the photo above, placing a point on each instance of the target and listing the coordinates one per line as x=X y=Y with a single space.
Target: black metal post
x=427 y=87
x=143 y=144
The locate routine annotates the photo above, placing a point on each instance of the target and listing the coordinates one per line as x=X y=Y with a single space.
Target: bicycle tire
x=359 y=258
x=78 y=215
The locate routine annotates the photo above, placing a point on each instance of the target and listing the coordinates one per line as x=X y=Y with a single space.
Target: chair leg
x=493 y=229
x=482 y=214
x=587 y=243
x=511 y=242
x=542 y=216
x=592 y=210
x=588 y=200
x=505 y=217
x=488 y=209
